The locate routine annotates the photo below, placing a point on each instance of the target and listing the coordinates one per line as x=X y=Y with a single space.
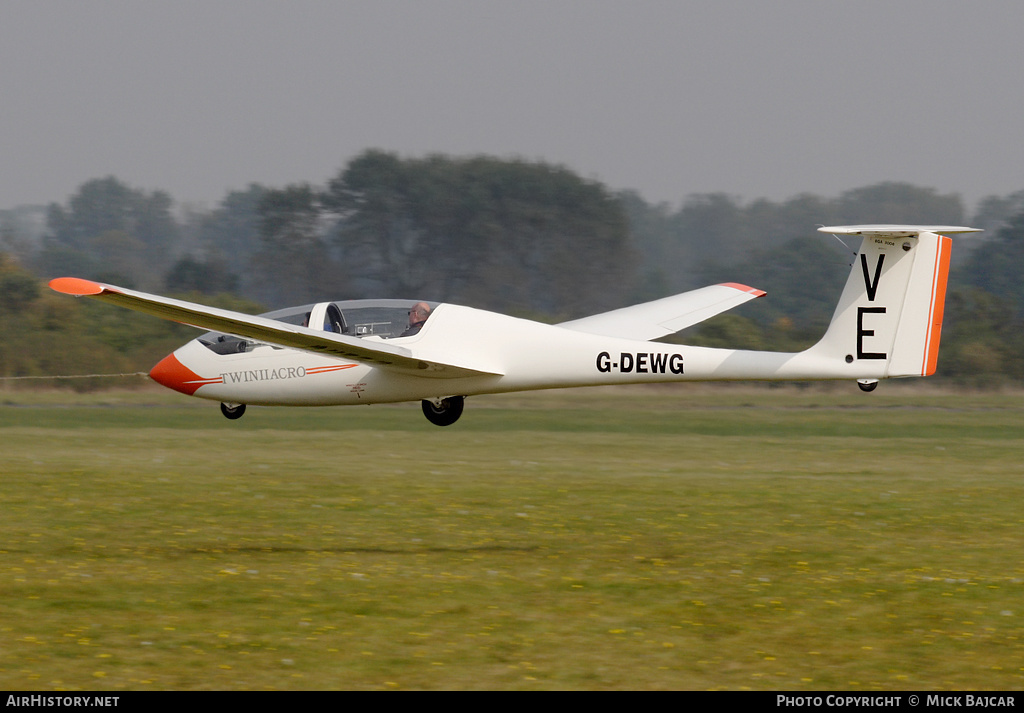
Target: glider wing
x=266 y=330
x=669 y=315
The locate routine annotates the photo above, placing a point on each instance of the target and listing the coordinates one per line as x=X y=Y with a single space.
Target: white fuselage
x=524 y=355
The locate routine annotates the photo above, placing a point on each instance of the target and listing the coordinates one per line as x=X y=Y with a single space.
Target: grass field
x=667 y=538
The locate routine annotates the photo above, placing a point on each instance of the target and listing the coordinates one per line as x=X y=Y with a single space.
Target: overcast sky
x=765 y=98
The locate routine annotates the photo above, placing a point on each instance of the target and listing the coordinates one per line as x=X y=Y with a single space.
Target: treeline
x=507 y=235
x=522 y=237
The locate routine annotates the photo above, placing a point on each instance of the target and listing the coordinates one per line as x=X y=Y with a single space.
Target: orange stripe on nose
x=174 y=375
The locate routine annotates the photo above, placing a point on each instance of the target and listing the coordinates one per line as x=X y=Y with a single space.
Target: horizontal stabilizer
x=896 y=231
x=652 y=320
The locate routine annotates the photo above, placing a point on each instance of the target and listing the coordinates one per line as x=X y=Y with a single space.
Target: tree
x=230 y=236
x=709 y=228
x=503 y=234
x=650 y=236
x=293 y=263
x=997 y=265
x=994 y=212
x=982 y=344
x=803 y=279
x=208 y=277
x=377 y=231
x=18 y=288
x=893 y=202
x=112 y=232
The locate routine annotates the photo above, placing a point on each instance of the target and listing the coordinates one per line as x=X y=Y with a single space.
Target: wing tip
x=76 y=286
x=744 y=288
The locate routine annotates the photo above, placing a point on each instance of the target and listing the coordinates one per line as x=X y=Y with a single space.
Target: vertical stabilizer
x=889 y=317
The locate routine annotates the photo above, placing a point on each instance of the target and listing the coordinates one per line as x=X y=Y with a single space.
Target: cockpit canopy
x=384 y=319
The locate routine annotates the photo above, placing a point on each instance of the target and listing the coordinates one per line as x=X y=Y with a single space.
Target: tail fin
x=889 y=316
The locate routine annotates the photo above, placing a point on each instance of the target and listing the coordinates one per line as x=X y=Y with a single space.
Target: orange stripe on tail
x=938 y=305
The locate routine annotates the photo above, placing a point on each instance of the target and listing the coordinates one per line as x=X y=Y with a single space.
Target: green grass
x=682 y=538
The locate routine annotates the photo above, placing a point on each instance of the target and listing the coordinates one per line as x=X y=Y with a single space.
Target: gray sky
x=754 y=98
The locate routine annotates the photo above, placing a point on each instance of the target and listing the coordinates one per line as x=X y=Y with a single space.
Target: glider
x=887 y=324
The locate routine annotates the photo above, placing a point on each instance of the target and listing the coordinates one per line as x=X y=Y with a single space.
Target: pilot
x=417 y=316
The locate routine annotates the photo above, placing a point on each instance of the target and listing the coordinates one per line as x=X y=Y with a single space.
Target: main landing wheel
x=867 y=384
x=232 y=411
x=444 y=413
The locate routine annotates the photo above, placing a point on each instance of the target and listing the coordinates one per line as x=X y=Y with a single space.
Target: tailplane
x=889 y=317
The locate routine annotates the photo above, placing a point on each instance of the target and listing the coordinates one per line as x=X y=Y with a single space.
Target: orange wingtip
x=76 y=286
x=745 y=288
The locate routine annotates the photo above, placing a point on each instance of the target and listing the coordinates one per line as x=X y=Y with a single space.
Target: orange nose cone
x=174 y=375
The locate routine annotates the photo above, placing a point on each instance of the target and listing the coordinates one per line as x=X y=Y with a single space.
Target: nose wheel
x=444 y=412
x=232 y=411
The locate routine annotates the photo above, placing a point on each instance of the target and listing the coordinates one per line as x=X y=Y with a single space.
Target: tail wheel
x=444 y=412
x=232 y=411
x=867 y=384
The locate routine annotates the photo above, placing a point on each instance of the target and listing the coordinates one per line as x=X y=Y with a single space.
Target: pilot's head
x=418 y=314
